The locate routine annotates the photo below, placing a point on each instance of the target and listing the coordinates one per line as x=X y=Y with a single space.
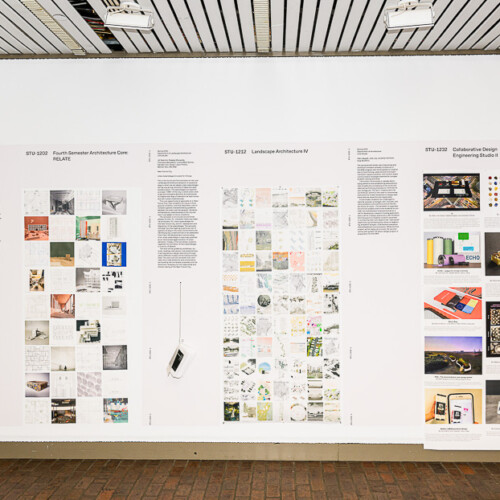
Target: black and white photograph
x=231 y=347
x=62 y=359
x=88 y=279
x=36 y=332
x=114 y=202
x=114 y=357
x=113 y=305
x=331 y=303
x=112 y=281
x=315 y=412
x=332 y=368
x=62 y=202
x=315 y=390
x=88 y=331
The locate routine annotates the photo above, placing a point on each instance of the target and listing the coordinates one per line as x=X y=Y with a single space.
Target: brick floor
x=245 y=480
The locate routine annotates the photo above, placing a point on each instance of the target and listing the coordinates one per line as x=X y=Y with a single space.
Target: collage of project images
x=461 y=283
x=75 y=334
x=280 y=304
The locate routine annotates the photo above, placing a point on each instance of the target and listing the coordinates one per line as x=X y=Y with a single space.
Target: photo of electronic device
x=461 y=408
x=452 y=260
x=183 y=354
x=180 y=360
x=492 y=253
x=452 y=249
x=464 y=303
x=495 y=258
x=440 y=408
x=492 y=329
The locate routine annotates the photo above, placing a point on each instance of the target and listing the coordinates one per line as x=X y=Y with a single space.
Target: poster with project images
x=286 y=268
x=72 y=323
x=300 y=306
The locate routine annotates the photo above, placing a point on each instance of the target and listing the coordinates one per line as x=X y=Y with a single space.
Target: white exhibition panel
x=279 y=102
x=249 y=100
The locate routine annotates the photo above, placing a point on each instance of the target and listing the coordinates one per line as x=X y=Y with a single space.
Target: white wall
x=251 y=100
x=232 y=100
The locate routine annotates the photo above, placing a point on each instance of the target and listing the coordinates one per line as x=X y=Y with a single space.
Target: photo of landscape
x=453 y=355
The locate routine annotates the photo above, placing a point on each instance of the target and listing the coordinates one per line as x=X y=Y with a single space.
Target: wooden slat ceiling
x=228 y=27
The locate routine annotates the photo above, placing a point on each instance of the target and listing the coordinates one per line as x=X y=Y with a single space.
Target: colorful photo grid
x=75 y=336
x=281 y=304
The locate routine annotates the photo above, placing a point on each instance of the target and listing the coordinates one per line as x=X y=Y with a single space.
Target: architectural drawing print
x=73 y=278
x=280 y=302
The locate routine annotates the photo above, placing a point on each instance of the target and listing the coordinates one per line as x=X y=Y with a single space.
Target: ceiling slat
x=7 y=47
x=159 y=28
x=215 y=19
x=12 y=40
x=339 y=16
x=416 y=40
x=404 y=36
x=167 y=16
x=70 y=12
x=187 y=25
x=369 y=19
x=292 y=25
x=480 y=32
x=232 y=26
x=277 y=22
x=247 y=28
x=379 y=30
x=51 y=7
x=307 y=24
x=134 y=35
x=16 y=19
x=19 y=34
x=124 y=40
x=480 y=16
x=137 y=40
x=458 y=23
x=357 y=10
x=3 y=52
x=388 y=40
x=488 y=38
x=152 y=41
x=443 y=25
x=494 y=45
x=324 y=14
x=32 y=20
x=201 y=25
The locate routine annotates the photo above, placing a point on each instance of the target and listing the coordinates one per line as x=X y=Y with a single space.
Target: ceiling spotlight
x=129 y=15
x=409 y=14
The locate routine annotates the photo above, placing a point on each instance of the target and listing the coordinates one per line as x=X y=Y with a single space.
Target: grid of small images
x=75 y=260
x=280 y=300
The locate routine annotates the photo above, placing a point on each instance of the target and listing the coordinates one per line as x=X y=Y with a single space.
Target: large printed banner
x=324 y=293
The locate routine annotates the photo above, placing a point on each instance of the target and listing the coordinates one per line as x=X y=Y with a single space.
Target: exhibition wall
x=335 y=109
